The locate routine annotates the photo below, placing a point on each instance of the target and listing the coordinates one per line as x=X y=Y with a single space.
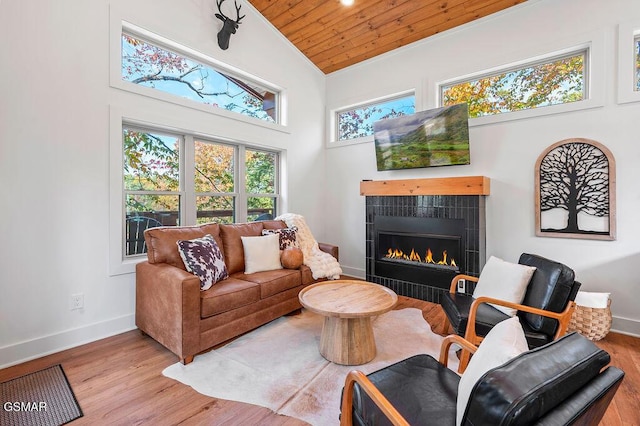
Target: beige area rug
x=278 y=365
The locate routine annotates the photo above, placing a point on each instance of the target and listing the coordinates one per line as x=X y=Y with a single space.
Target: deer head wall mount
x=229 y=26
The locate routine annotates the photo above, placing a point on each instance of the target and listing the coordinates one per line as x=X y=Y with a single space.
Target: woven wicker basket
x=593 y=323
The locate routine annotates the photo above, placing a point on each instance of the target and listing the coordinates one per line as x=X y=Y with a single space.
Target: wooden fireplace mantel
x=464 y=185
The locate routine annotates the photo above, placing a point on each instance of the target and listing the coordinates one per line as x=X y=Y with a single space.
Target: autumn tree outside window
x=145 y=63
x=357 y=122
x=554 y=81
x=636 y=44
x=224 y=183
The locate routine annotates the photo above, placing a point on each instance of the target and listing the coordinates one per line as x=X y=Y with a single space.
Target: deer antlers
x=224 y=18
x=229 y=26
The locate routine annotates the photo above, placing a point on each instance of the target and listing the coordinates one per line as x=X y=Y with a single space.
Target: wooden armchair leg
x=186 y=360
x=465 y=356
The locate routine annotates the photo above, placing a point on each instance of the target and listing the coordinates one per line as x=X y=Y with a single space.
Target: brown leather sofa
x=171 y=308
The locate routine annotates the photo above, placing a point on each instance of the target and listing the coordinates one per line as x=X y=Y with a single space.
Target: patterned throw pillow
x=287 y=236
x=203 y=258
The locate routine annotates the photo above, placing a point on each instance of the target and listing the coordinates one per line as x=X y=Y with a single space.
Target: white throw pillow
x=505 y=341
x=505 y=281
x=261 y=253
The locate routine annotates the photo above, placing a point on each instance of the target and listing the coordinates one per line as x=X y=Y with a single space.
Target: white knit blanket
x=322 y=264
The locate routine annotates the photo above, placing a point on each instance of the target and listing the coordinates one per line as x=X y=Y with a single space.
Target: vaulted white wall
x=55 y=137
x=507 y=151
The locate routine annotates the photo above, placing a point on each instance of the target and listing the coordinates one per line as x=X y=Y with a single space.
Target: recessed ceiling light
x=347 y=2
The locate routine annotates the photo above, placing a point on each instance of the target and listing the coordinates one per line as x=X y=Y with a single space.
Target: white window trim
x=627 y=32
x=595 y=72
x=118 y=24
x=120 y=117
x=332 y=114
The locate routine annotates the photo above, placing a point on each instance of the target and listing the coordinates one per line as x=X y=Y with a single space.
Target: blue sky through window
x=358 y=122
x=148 y=65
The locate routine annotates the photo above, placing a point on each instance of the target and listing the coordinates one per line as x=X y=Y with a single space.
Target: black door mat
x=41 y=398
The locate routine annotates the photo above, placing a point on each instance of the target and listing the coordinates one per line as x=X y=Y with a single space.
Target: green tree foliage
x=260 y=166
x=551 y=83
x=214 y=178
x=151 y=163
x=260 y=180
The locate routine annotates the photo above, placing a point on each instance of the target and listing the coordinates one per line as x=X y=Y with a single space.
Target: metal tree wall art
x=575 y=191
x=229 y=26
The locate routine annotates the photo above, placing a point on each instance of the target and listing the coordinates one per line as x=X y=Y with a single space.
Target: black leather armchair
x=562 y=383
x=544 y=313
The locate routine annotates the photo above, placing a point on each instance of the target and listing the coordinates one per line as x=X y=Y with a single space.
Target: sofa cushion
x=273 y=282
x=505 y=281
x=551 y=288
x=228 y=295
x=161 y=242
x=232 y=243
x=532 y=384
x=287 y=236
x=261 y=253
x=203 y=258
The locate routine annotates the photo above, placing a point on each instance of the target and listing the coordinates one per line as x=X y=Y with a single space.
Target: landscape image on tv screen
x=436 y=137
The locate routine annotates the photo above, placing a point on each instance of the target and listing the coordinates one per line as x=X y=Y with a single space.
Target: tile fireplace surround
x=451 y=198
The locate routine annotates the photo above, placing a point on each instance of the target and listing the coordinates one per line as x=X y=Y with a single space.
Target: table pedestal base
x=347 y=341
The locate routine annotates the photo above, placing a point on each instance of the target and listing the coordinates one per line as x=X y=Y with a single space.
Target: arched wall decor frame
x=575 y=191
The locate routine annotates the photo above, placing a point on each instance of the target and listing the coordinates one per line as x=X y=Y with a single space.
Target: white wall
x=54 y=153
x=507 y=151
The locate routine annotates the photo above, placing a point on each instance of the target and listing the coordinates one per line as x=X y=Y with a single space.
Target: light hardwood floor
x=119 y=381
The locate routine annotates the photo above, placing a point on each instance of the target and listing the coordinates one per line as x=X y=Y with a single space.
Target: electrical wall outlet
x=462 y=286
x=76 y=301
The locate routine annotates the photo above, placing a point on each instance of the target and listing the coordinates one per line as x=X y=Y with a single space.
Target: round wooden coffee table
x=347 y=307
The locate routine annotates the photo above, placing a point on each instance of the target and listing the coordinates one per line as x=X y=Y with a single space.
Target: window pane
x=214 y=167
x=151 y=161
x=556 y=82
x=637 y=73
x=215 y=209
x=152 y=66
x=163 y=208
x=358 y=122
x=261 y=172
x=147 y=211
x=261 y=208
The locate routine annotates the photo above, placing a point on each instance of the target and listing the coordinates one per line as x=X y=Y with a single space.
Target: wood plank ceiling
x=334 y=36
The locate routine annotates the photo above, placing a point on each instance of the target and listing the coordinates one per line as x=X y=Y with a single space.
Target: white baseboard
x=626 y=326
x=354 y=272
x=24 y=351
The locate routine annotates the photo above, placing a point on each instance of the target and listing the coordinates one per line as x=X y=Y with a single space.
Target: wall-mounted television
x=436 y=137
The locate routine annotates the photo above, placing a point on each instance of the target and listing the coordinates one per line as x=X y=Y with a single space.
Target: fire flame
x=415 y=257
